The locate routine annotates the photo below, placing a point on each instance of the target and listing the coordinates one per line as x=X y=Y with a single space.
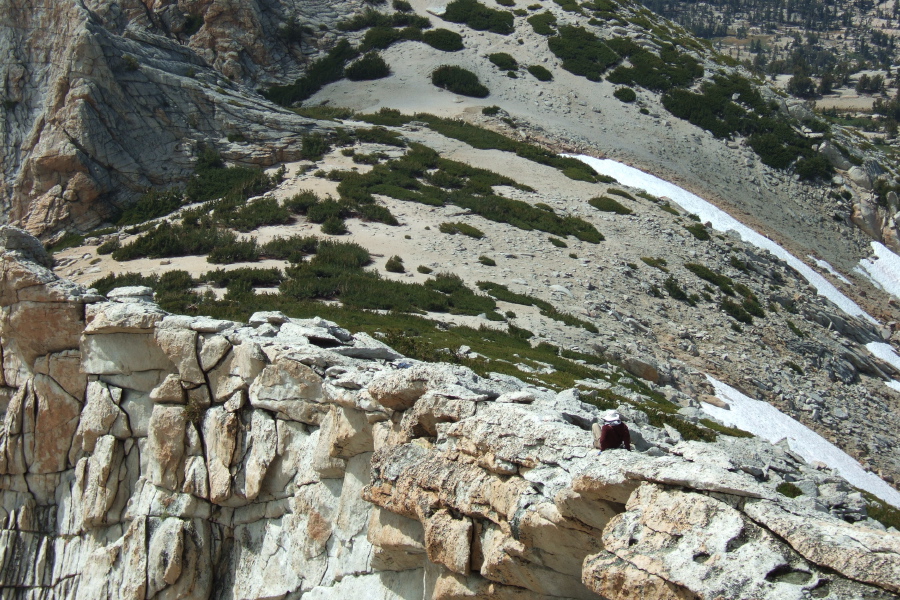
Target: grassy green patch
x=479 y=17
x=443 y=39
x=582 y=52
x=319 y=73
x=723 y=282
x=698 y=230
x=786 y=488
x=732 y=431
x=607 y=204
x=540 y=73
x=669 y=70
x=461 y=228
x=484 y=139
x=459 y=81
x=625 y=94
x=656 y=263
x=504 y=61
x=368 y=68
x=422 y=176
x=543 y=23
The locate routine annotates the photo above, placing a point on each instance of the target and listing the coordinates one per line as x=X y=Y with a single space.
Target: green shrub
x=582 y=52
x=394 y=265
x=659 y=73
x=463 y=228
x=558 y=242
x=657 y=263
x=794 y=367
x=698 y=230
x=625 y=94
x=253 y=277
x=320 y=73
x=443 y=39
x=606 y=204
x=109 y=246
x=334 y=226
x=324 y=112
x=292 y=249
x=152 y=205
x=490 y=111
x=675 y=290
x=479 y=17
x=381 y=38
x=302 y=202
x=732 y=431
x=786 y=488
x=736 y=311
x=484 y=139
x=368 y=68
x=543 y=23
x=540 y=73
x=621 y=193
x=424 y=270
x=503 y=61
x=314 y=146
x=459 y=81
x=796 y=330
x=487 y=261
x=380 y=135
x=768 y=133
x=723 y=282
x=229 y=249
x=255 y=214
x=402 y=6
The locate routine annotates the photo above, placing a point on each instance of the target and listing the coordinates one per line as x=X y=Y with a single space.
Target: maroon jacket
x=615 y=436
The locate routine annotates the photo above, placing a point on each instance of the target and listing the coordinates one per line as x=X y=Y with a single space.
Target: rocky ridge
x=104 y=101
x=149 y=455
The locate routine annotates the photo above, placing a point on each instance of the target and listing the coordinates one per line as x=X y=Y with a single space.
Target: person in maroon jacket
x=613 y=434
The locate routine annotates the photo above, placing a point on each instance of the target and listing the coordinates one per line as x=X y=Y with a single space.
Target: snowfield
x=883 y=269
x=722 y=221
x=766 y=421
x=761 y=418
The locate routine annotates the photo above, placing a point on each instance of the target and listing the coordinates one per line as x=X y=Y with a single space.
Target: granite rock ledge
x=149 y=455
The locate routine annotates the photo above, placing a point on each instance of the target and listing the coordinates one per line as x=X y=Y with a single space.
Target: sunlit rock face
x=144 y=454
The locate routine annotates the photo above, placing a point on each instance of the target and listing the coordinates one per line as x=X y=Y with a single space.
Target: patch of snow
x=828 y=268
x=722 y=221
x=883 y=269
x=893 y=384
x=767 y=422
x=885 y=352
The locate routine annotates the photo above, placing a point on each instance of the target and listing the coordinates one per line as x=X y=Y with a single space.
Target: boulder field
x=149 y=455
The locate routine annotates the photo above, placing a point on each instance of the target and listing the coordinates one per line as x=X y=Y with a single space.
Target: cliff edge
x=150 y=455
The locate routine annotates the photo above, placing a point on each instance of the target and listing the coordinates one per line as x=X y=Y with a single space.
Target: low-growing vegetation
x=625 y=94
x=459 y=81
x=607 y=204
x=479 y=17
x=540 y=73
x=369 y=67
x=543 y=23
x=582 y=52
x=461 y=228
x=423 y=176
x=504 y=61
x=443 y=39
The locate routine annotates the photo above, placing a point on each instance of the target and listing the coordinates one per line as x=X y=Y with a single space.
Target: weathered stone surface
x=165 y=447
x=856 y=552
x=289 y=388
x=448 y=541
x=331 y=483
x=117 y=317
